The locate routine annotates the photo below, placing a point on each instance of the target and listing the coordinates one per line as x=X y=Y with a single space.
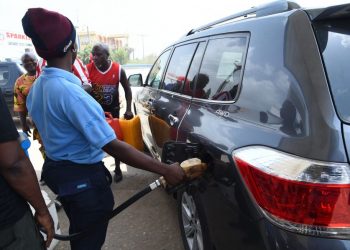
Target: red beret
x=52 y=33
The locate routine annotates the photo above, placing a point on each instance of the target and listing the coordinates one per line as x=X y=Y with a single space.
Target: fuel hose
x=116 y=211
x=193 y=169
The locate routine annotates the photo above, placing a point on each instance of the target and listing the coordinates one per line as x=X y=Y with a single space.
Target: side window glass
x=155 y=76
x=175 y=76
x=221 y=69
x=4 y=75
x=193 y=75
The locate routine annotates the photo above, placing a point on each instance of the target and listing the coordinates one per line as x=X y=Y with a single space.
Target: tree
x=84 y=54
x=120 y=55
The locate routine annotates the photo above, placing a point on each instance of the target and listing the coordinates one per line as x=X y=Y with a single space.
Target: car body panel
x=144 y=109
x=283 y=102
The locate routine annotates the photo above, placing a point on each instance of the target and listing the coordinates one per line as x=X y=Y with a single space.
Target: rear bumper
x=277 y=238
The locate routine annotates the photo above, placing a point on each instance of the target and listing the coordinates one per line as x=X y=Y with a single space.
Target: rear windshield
x=333 y=38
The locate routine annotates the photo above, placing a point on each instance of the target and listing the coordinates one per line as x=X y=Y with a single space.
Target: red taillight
x=297 y=191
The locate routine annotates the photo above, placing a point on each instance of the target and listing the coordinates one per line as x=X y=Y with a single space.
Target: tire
x=192 y=221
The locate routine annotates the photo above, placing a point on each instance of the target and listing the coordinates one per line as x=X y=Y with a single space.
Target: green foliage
x=84 y=54
x=120 y=55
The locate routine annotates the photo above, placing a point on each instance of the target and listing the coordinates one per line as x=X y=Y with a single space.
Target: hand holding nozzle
x=192 y=168
x=189 y=170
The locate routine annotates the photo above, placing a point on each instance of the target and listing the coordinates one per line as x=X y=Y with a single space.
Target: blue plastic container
x=25 y=142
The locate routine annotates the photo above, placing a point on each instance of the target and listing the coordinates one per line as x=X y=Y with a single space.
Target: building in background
x=113 y=41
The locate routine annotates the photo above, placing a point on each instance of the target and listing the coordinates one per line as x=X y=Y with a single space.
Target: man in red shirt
x=105 y=76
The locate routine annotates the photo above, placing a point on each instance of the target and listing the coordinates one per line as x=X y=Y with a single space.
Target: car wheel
x=193 y=225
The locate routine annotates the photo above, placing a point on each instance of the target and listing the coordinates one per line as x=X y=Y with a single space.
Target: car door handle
x=173 y=120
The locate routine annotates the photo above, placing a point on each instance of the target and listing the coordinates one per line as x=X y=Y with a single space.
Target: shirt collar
x=56 y=72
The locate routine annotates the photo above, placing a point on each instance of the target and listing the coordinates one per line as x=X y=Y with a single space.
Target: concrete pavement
x=150 y=223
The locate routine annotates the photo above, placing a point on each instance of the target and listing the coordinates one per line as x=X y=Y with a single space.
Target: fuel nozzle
x=193 y=169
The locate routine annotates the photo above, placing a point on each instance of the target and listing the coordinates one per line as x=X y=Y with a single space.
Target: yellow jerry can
x=131 y=130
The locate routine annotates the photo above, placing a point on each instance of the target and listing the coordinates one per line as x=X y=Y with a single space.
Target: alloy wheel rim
x=191 y=223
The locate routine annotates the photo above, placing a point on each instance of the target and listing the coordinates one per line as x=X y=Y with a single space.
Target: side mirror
x=135 y=80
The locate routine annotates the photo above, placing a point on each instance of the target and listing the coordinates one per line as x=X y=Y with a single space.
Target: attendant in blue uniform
x=74 y=131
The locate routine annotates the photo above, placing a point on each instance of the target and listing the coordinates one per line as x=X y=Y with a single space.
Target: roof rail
x=275 y=7
x=331 y=12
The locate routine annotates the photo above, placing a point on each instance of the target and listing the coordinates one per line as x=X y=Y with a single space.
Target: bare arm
x=173 y=174
x=19 y=173
x=23 y=119
x=128 y=94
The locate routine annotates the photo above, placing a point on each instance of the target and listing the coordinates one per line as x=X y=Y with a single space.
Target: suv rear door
x=144 y=103
x=175 y=94
x=333 y=36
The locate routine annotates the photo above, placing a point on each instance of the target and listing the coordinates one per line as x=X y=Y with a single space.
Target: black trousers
x=86 y=196
x=22 y=235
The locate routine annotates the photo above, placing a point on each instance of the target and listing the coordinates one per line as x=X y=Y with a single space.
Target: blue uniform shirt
x=71 y=123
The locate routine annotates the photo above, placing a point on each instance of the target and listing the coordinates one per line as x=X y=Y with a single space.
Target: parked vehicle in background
x=136 y=87
x=131 y=69
x=9 y=72
x=263 y=98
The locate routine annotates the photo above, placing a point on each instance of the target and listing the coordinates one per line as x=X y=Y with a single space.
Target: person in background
x=22 y=87
x=105 y=76
x=75 y=132
x=19 y=185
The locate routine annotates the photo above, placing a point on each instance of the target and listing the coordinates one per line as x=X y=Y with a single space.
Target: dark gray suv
x=262 y=96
